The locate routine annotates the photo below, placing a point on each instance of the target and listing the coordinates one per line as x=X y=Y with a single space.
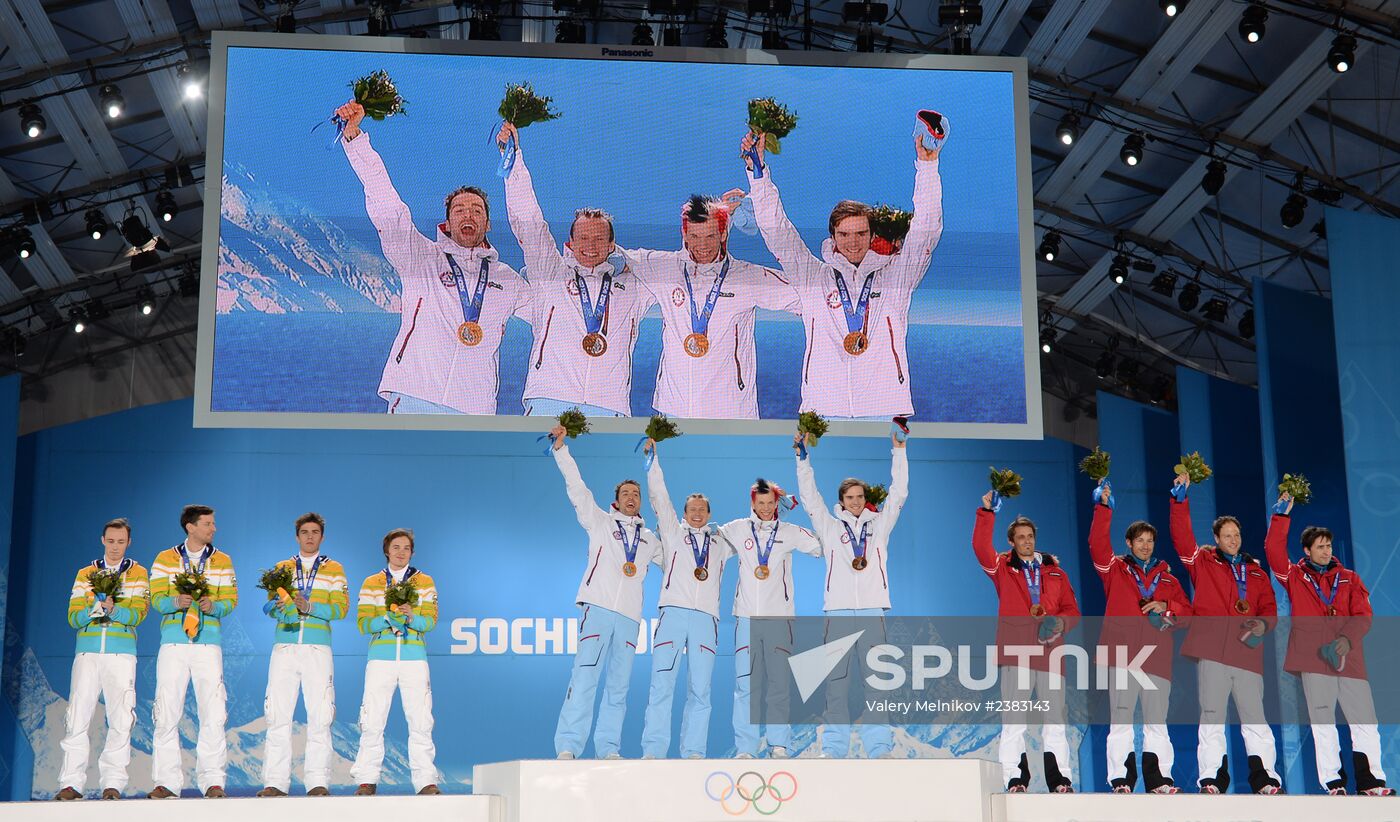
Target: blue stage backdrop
x=493 y=527
x=9 y=429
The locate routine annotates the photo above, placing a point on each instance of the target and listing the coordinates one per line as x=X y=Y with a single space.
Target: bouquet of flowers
x=875 y=495
x=574 y=422
x=769 y=117
x=811 y=424
x=1297 y=487
x=400 y=593
x=278 y=582
x=379 y=96
x=1096 y=464
x=521 y=106
x=194 y=585
x=1005 y=482
x=660 y=429
x=106 y=584
x=1193 y=467
x=889 y=222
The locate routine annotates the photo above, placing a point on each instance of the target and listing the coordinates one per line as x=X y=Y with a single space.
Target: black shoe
x=67 y=795
x=366 y=789
x=161 y=792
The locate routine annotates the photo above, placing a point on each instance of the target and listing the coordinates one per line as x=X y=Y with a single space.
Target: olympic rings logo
x=764 y=795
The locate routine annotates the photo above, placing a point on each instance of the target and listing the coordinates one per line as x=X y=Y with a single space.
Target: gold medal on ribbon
x=859 y=563
x=1241 y=607
x=1037 y=610
x=595 y=344
x=702 y=574
x=469 y=333
x=697 y=345
x=856 y=343
x=761 y=572
x=629 y=569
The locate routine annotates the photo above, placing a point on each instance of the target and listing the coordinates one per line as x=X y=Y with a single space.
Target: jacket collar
x=764 y=524
x=872 y=261
x=1244 y=556
x=616 y=263
x=620 y=517
x=449 y=245
x=866 y=516
x=1047 y=560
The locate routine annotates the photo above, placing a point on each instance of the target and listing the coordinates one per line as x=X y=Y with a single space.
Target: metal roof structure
x=1272 y=123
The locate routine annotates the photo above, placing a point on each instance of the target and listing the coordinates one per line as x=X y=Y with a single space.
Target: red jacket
x=1124 y=622
x=1216 y=628
x=1016 y=625
x=1311 y=628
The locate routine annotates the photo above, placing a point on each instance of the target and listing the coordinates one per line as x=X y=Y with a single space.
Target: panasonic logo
x=607 y=52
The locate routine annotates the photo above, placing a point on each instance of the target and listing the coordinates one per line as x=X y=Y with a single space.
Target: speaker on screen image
x=609 y=235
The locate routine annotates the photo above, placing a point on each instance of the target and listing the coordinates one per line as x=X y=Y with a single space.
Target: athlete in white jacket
x=620 y=547
x=587 y=306
x=855 y=539
x=764 y=546
x=854 y=302
x=457 y=294
x=693 y=556
x=709 y=302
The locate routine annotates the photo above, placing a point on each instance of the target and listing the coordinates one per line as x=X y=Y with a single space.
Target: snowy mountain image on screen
x=277 y=257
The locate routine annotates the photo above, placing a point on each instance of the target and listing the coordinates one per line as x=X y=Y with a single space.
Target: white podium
x=451 y=808
x=703 y=790
x=1100 y=807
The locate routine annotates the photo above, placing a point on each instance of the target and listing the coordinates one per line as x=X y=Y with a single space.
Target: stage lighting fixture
x=1068 y=130
x=31 y=120
x=1127 y=370
x=1291 y=214
x=484 y=25
x=865 y=12
x=78 y=318
x=1215 y=310
x=671 y=35
x=681 y=8
x=14 y=341
x=377 y=25
x=1047 y=338
x=1118 y=270
x=189 y=285
x=1161 y=389
x=716 y=36
x=145 y=301
x=770 y=8
x=1131 y=153
x=24 y=242
x=191 y=84
x=1342 y=56
x=96 y=223
x=1189 y=297
x=287 y=22
x=1049 y=246
x=1246 y=323
x=134 y=230
x=773 y=40
x=113 y=104
x=569 y=30
x=1215 y=177
x=166 y=206
x=1103 y=367
x=1252 y=23
x=865 y=39
x=642 y=35
x=1171 y=8
x=1164 y=283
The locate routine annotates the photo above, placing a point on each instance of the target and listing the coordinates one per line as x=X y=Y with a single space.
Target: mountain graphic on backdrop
x=277 y=256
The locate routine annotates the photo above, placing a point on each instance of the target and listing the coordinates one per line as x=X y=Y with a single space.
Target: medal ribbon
x=855 y=317
x=857 y=545
x=1031 y=571
x=203 y=558
x=1144 y=590
x=1330 y=598
x=764 y=552
x=700 y=322
x=393 y=619
x=702 y=556
x=593 y=313
x=101 y=564
x=630 y=550
x=310 y=579
x=1241 y=575
x=471 y=305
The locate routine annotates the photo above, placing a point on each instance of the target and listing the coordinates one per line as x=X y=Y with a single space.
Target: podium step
x=445 y=808
x=1099 y=807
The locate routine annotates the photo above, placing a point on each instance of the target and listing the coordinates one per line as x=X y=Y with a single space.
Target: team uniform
x=581 y=356
x=301 y=661
x=857 y=585
x=454 y=305
x=692 y=562
x=398 y=660
x=1030 y=593
x=611 y=602
x=1128 y=583
x=839 y=300
x=1327 y=604
x=105 y=665
x=1229 y=591
x=767 y=545
x=185 y=658
x=708 y=363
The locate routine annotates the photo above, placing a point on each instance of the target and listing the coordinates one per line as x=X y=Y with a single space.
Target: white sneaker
x=650 y=756
x=744 y=755
x=566 y=755
x=777 y=752
x=613 y=755
x=694 y=756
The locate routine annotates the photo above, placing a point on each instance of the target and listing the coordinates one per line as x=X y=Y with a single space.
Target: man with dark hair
x=764 y=545
x=1035 y=606
x=620 y=547
x=1233 y=593
x=1332 y=613
x=854 y=301
x=191 y=650
x=587 y=305
x=855 y=538
x=456 y=293
x=1144 y=602
x=301 y=661
x=398 y=660
x=105 y=664
x=709 y=303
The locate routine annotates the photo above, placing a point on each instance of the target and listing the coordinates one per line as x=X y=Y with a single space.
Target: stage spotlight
x=717 y=36
x=14 y=341
x=1215 y=177
x=1131 y=153
x=1246 y=323
x=189 y=285
x=1127 y=370
x=1171 y=8
x=190 y=82
x=145 y=301
x=486 y=26
x=865 y=39
x=1342 y=56
x=1252 y=23
x=24 y=242
x=31 y=120
x=671 y=35
x=569 y=30
x=1164 y=283
x=642 y=35
x=166 y=206
x=864 y=12
x=1189 y=297
x=97 y=224
x=1103 y=367
x=770 y=8
x=1215 y=310
x=773 y=40
x=1161 y=389
x=377 y=24
x=1118 y=270
x=113 y=104
x=1047 y=338
x=78 y=318
x=1049 y=246
x=1291 y=214
x=1068 y=130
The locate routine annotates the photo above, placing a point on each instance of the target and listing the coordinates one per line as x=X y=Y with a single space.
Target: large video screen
x=468 y=240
